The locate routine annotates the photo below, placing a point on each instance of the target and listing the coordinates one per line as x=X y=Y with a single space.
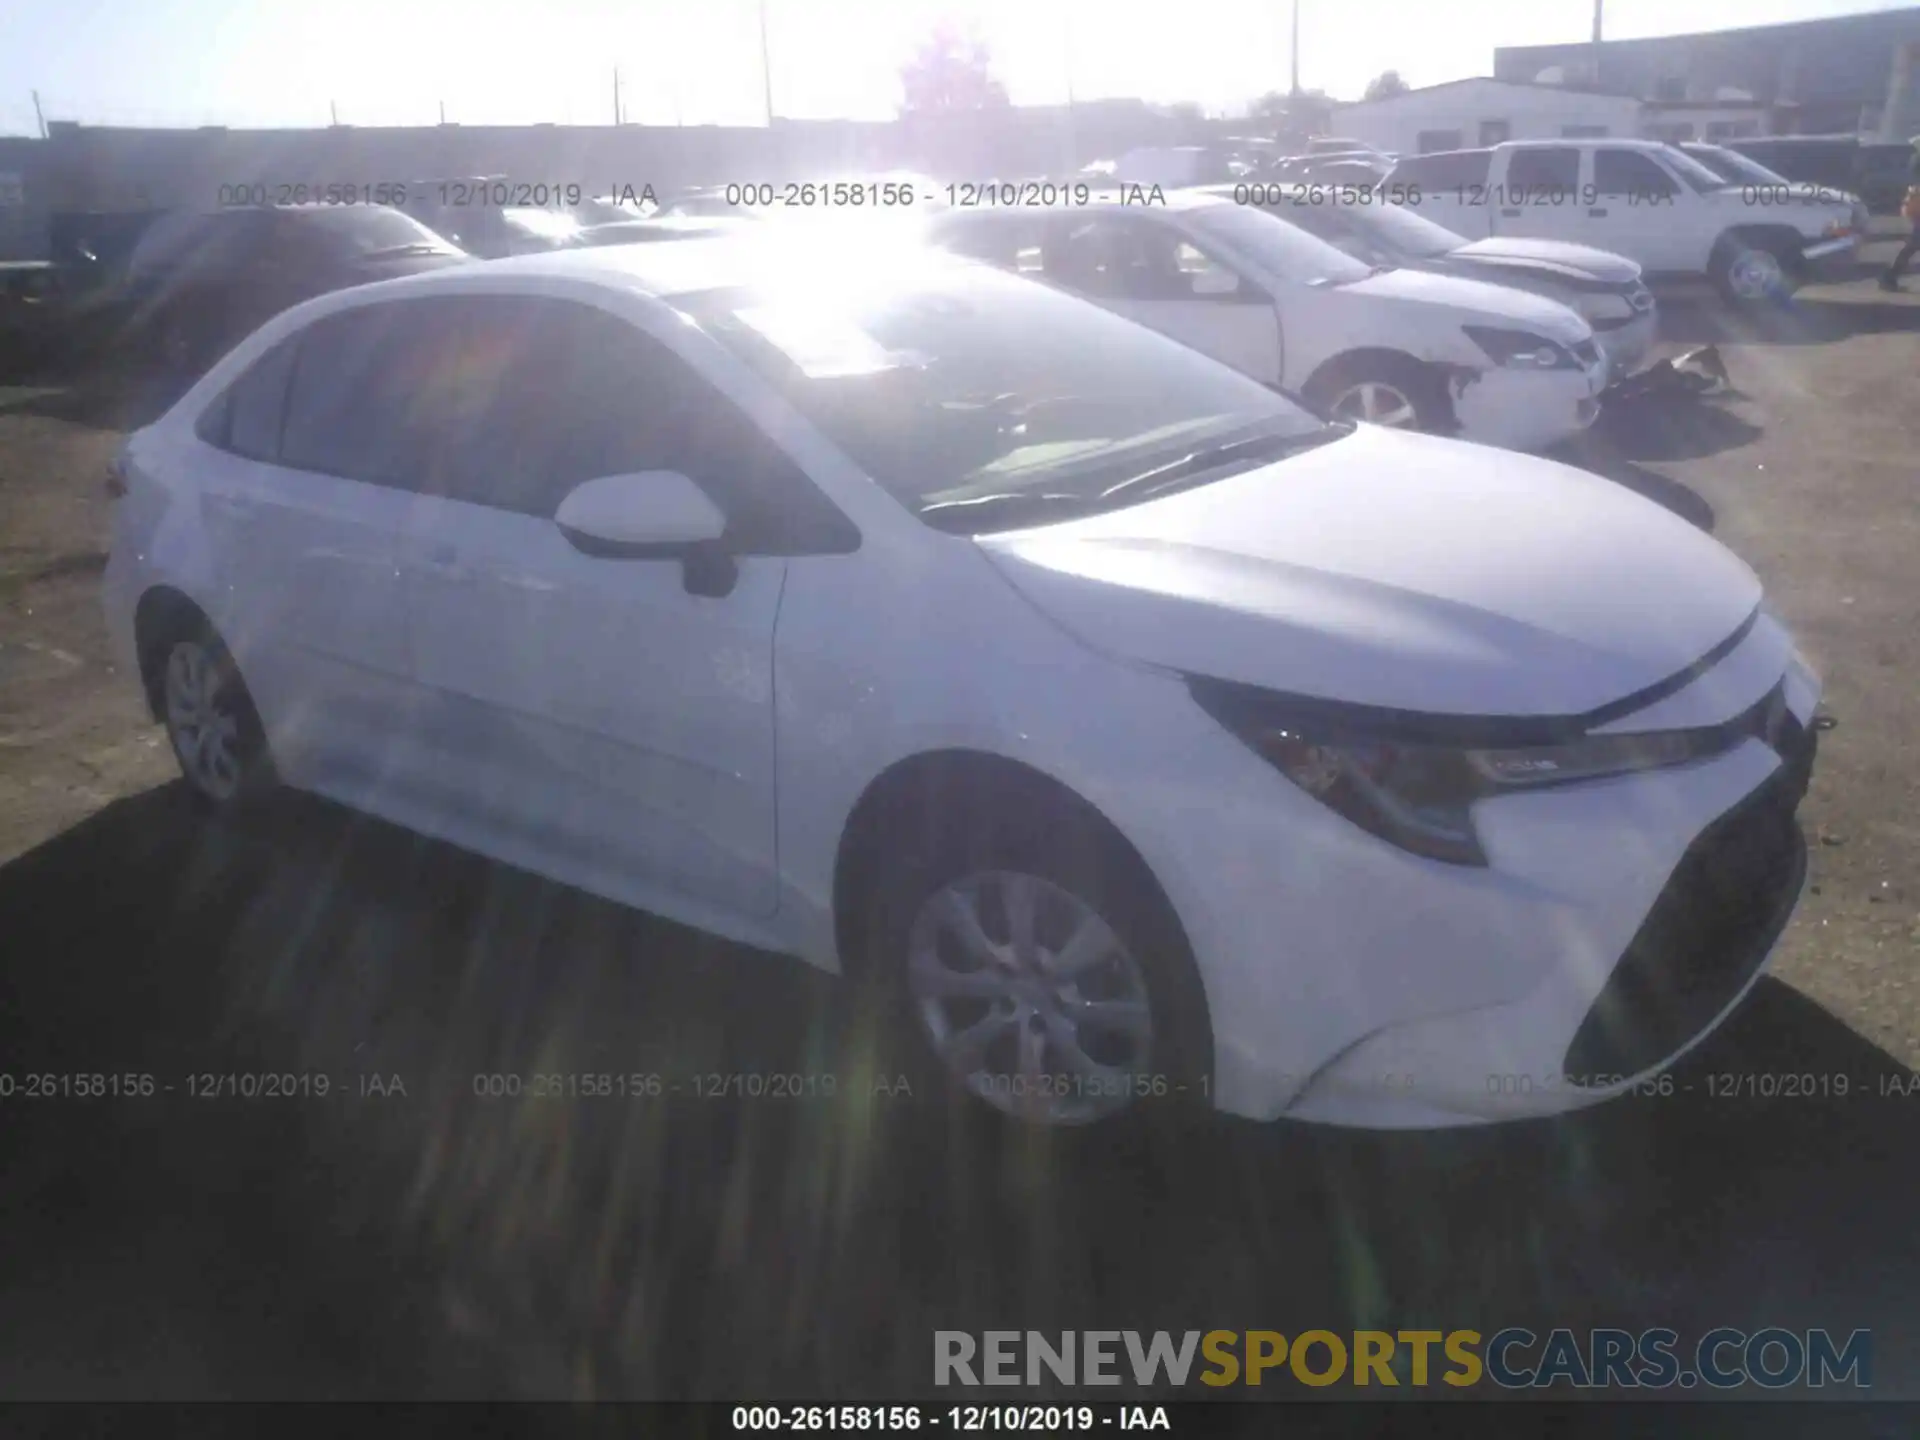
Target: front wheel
x=1031 y=967
x=1399 y=393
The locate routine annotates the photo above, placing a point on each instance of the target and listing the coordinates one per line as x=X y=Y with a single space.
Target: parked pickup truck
x=1638 y=198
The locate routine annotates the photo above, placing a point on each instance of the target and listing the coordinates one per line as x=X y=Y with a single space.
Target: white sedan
x=1128 y=735
x=1394 y=347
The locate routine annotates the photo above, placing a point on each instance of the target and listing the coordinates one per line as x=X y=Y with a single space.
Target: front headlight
x=1606 y=308
x=1520 y=349
x=1420 y=796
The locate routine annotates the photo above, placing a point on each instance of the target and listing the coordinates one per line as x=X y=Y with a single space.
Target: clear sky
x=394 y=62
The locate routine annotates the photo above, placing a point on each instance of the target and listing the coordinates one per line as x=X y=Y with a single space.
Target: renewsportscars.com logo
x=1513 y=1358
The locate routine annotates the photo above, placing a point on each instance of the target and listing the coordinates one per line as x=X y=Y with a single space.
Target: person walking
x=1890 y=278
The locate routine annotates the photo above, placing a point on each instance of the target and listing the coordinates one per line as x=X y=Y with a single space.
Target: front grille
x=1711 y=927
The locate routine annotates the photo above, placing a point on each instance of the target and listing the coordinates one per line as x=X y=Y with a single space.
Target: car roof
x=1186 y=197
x=687 y=267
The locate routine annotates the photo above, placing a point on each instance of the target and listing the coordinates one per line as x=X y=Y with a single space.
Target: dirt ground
x=435 y=1242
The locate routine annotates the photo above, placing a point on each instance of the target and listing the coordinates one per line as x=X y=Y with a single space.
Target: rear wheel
x=1751 y=271
x=211 y=722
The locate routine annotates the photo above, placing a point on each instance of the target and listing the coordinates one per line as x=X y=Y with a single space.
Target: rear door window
x=257 y=403
x=366 y=383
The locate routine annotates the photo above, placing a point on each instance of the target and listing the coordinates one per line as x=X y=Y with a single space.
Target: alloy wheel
x=202 y=721
x=1030 y=998
x=1377 y=403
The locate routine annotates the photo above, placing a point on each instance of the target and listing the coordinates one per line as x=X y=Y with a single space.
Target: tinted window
x=1544 y=168
x=1444 y=171
x=363 y=388
x=183 y=239
x=544 y=395
x=1629 y=173
x=256 y=403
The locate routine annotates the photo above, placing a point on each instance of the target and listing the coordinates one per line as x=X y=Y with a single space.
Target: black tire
x=1753 y=270
x=1423 y=387
x=227 y=699
x=974 y=828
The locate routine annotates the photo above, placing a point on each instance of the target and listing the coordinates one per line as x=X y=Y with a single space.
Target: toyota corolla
x=1126 y=733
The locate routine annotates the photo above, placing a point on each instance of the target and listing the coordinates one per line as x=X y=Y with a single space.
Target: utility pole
x=1598 y=7
x=443 y=112
x=39 y=115
x=1295 y=56
x=766 y=65
x=616 y=94
x=333 y=110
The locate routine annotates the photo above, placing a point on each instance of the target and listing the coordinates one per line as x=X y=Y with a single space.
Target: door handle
x=1598 y=213
x=1511 y=214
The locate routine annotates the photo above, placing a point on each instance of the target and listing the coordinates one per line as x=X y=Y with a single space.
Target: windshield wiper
x=1005 y=509
x=412 y=247
x=1214 y=457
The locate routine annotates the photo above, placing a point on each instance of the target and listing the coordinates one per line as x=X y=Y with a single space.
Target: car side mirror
x=651 y=515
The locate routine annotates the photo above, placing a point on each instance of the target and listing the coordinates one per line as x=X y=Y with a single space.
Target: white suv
x=1129 y=735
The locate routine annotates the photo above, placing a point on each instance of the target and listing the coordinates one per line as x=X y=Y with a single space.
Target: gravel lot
x=436 y=1243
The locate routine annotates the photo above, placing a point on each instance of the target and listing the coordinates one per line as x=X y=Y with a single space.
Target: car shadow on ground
x=1597 y=453
x=460 y=1242
x=1817 y=317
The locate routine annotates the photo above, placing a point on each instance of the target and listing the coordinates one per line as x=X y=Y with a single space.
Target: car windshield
x=1691 y=170
x=1278 y=245
x=1382 y=229
x=1734 y=167
x=371 y=229
x=951 y=383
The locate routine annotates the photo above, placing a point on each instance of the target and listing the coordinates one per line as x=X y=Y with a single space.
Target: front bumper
x=1627 y=347
x=1522 y=410
x=1351 y=983
x=1830 y=256
x=1703 y=945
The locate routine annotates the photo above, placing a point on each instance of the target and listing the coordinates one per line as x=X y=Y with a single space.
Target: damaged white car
x=1393 y=347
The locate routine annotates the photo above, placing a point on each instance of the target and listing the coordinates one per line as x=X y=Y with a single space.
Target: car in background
x=707 y=202
x=1768 y=186
x=1130 y=738
x=1605 y=290
x=656 y=228
x=1643 y=199
x=1183 y=165
x=493 y=232
x=197 y=281
x=1393 y=347
x=1874 y=170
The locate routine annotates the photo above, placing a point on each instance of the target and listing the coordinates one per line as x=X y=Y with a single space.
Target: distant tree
x=1386 y=85
x=950 y=72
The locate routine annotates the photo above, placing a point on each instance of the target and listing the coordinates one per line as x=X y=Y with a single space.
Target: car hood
x=388 y=267
x=1475 y=302
x=1581 y=262
x=1401 y=571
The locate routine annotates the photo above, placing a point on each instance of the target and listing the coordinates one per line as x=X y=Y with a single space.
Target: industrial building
x=1842 y=75
x=1463 y=113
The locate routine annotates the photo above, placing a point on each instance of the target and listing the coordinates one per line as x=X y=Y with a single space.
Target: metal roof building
x=1830 y=76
